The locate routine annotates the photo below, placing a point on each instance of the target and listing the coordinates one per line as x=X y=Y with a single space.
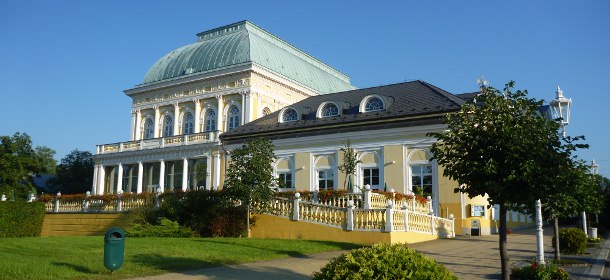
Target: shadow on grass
x=290 y=253
x=169 y=263
x=74 y=267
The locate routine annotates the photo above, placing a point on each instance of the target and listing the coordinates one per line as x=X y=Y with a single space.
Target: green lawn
x=83 y=257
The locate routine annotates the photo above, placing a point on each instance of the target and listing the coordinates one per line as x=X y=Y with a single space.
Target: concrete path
x=466 y=257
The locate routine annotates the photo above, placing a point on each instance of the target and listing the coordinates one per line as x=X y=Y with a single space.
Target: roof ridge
x=444 y=93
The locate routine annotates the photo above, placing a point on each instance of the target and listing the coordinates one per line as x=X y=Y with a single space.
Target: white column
x=243 y=109
x=95 y=179
x=133 y=125
x=140 y=176
x=176 y=119
x=539 y=234
x=248 y=109
x=157 y=126
x=119 y=185
x=219 y=113
x=208 y=179
x=197 y=115
x=138 y=132
x=162 y=176
x=216 y=171
x=102 y=176
x=185 y=173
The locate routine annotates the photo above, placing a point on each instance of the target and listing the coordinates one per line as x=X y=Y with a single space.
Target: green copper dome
x=244 y=43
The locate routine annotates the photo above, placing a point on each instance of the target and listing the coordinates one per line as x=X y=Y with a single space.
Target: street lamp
x=560 y=110
x=594 y=167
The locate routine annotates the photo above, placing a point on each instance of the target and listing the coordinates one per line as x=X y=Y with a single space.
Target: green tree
x=45 y=155
x=573 y=192
x=19 y=162
x=75 y=172
x=501 y=147
x=250 y=175
x=350 y=162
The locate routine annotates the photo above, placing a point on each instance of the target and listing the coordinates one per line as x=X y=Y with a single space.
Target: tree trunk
x=556 y=233
x=247 y=221
x=503 y=249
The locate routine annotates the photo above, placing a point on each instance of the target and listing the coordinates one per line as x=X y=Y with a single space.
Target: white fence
x=349 y=218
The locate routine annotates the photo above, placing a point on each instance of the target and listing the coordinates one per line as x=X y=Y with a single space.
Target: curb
x=599 y=262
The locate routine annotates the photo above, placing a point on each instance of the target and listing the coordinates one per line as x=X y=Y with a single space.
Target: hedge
x=20 y=218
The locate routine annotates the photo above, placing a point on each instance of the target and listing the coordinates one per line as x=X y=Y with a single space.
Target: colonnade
x=161 y=175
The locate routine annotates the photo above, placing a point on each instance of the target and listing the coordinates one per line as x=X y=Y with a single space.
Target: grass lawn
x=83 y=257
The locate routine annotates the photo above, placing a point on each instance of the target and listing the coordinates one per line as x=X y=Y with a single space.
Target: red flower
x=534 y=265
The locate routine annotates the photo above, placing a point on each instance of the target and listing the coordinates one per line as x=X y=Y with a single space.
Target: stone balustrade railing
x=349 y=218
x=154 y=143
x=89 y=203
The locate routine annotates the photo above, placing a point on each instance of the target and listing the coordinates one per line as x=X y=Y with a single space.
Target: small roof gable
x=414 y=98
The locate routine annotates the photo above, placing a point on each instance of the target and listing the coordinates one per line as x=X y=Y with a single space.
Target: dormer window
x=373 y=104
x=329 y=110
x=290 y=115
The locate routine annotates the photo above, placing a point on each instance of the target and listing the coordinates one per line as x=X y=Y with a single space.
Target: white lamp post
x=560 y=110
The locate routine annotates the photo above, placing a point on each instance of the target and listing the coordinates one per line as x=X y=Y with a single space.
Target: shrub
x=20 y=218
x=166 y=228
x=383 y=261
x=208 y=213
x=539 y=272
x=571 y=241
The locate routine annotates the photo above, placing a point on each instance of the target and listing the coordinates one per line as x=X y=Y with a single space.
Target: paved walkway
x=467 y=257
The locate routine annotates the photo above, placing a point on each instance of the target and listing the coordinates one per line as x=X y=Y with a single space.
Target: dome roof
x=244 y=43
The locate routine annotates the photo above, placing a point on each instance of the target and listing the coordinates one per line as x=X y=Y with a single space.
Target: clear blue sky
x=64 y=64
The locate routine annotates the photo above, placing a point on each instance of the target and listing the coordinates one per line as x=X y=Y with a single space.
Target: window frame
x=283 y=114
x=149 y=129
x=234 y=117
x=168 y=126
x=321 y=110
x=188 y=124
x=210 y=122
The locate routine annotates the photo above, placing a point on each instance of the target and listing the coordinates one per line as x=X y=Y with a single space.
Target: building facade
x=238 y=82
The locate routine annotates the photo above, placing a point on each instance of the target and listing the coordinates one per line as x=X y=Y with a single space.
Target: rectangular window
x=285 y=179
x=371 y=177
x=325 y=179
x=421 y=179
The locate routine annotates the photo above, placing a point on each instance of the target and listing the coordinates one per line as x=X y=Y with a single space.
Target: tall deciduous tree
x=250 y=175
x=75 y=172
x=19 y=162
x=350 y=162
x=502 y=148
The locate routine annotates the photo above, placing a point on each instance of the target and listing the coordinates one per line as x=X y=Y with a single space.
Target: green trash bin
x=114 y=248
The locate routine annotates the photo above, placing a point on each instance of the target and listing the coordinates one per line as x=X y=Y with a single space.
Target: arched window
x=373 y=104
x=149 y=129
x=210 y=120
x=290 y=115
x=233 y=117
x=266 y=111
x=168 y=126
x=329 y=110
x=187 y=127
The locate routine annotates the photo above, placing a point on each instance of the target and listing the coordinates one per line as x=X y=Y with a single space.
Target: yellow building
x=238 y=82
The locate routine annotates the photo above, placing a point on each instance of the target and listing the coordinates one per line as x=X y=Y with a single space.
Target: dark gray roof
x=468 y=96
x=409 y=99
